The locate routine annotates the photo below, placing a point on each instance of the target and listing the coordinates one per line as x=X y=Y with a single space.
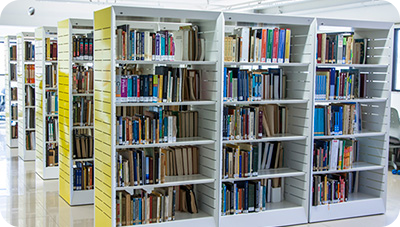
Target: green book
x=269 y=45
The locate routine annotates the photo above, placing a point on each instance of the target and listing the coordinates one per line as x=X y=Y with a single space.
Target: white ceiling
x=48 y=12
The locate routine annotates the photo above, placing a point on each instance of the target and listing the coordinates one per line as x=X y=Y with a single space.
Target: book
x=83 y=175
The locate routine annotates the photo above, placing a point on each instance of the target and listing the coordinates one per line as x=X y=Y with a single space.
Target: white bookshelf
x=375 y=110
x=66 y=30
x=293 y=208
x=11 y=141
x=23 y=152
x=44 y=169
x=205 y=183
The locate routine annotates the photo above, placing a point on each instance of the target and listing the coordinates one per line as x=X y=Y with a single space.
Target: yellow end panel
x=64 y=64
x=102 y=116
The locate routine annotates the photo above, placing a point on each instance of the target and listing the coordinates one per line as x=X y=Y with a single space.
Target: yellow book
x=287 y=45
x=48 y=49
x=160 y=88
x=155 y=84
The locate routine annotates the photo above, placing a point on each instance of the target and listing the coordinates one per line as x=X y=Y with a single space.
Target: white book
x=269 y=159
x=334 y=149
x=170 y=122
x=269 y=190
x=264 y=156
x=245 y=34
x=251 y=126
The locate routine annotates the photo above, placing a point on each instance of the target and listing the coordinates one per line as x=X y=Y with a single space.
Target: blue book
x=129 y=88
x=133 y=46
x=165 y=129
x=140 y=211
x=147 y=170
x=160 y=118
x=225 y=82
x=224 y=198
x=332 y=84
x=142 y=46
x=240 y=165
x=162 y=46
x=158 y=46
x=340 y=120
x=239 y=86
x=281 y=45
x=337 y=87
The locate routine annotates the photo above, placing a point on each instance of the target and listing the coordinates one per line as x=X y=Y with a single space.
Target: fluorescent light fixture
x=324 y=28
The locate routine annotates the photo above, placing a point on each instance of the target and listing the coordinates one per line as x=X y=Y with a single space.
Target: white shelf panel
x=277 y=137
x=50 y=62
x=269 y=173
x=359 y=204
x=173 y=181
x=354 y=65
x=293 y=64
x=29 y=62
x=82 y=159
x=166 y=62
x=272 y=101
x=82 y=197
x=184 y=103
x=13 y=62
x=179 y=142
x=356 y=135
x=357 y=166
x=30 y=129
x=51 y=89
x=82 y=61
x=362 y=100
x=29 y=155
x=51 y=115
x=82 y=127
x=276 y=214
x=49 y=142
x=29 y=107
x=50 y=172
x=83 y=94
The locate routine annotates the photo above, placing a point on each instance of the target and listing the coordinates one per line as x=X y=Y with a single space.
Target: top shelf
x=354 y=65
x=166 y=62
x=264 y=63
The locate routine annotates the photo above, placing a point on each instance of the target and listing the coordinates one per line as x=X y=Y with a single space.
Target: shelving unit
x=375 y=113
x=206 y=186
x=23 y=108
x=293 y=208
x=66 y=30
x=11 y=82
x=45 y=67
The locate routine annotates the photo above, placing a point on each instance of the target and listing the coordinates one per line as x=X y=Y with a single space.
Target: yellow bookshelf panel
x=103 y=161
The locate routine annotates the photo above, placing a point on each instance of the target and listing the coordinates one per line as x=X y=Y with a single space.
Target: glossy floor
x=27 y=200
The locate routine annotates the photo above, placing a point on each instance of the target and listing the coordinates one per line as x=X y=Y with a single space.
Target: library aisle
x=27 y=200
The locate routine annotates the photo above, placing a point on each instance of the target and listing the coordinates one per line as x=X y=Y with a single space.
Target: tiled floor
x=27 y=200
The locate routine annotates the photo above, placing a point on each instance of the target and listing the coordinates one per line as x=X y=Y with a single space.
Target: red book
x=319 y=41
x=264 y=45
x=275 y=46
x=151 y=170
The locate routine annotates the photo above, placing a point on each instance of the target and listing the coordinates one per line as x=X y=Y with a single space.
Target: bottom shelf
x=14 y=143
x=82 y=197
x=27 y=155
x=358 y=204
x=50 y=172
x=184 y=219
x=277 y=214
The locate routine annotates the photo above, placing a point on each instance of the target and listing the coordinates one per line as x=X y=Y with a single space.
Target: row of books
x=249 y=196
x=52 y=129
x=29 y=51
x=341 y=48
x=13 y=72
x=14 y=111
x=334 y=188
x=83 y=176
x=184 y=44
x=166 y=85
x=29 y=96
x=334 y=154
x=346 y=84
x=13 y=52
x=51 y=155
x=82 y=47
x=14 y=131
x=82 y=110
x=271 y=45
x=246 y=85
x=30 y=118
x=337 y=119
x=51 y=76
x=83 y=79
x=29 y=74
x=254 y=122
x=247 y=160
x=51 y=102
x=151 y=166
x=156 y=125
x=158 y=206
x=30 y=140
x=14 y=94
x=83 y=143
x=51 y=49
